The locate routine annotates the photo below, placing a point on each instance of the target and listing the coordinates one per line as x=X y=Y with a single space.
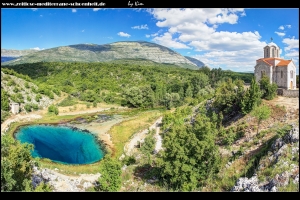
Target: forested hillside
x=123 y=83
x=214 y=129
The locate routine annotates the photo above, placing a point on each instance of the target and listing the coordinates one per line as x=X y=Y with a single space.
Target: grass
x=123 y=131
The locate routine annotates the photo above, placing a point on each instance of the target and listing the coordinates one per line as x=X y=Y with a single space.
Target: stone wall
x=287 y=93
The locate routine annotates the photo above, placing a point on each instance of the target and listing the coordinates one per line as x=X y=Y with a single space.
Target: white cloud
x=291 y=43
x=229 y=41
x=288 y=26
x=96 y=9
x=174 y=17
x=140 y=27
x=243 y=60
x=197 y=29
x=36 y=48
x=82 y=31
x=292 y=49
x=151 y=35
x=122 y=34
x=280 y=34
x=74 y=10
x=166 y=40
x=195 y=25
x=34 y=9
x=292 y=53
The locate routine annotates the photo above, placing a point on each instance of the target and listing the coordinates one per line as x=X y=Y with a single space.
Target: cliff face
x=108 y=52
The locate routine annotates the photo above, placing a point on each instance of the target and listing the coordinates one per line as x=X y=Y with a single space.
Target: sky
x=226 y=38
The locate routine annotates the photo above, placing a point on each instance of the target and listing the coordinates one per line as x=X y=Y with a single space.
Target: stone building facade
x=280 y=71
x=14 y=108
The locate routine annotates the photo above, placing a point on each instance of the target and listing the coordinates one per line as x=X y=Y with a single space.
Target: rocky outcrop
x=139 y=50
x=64 y=183
x=27 y=93
x=278 y=151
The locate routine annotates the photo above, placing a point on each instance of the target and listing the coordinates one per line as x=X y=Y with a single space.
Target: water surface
x=61 y=144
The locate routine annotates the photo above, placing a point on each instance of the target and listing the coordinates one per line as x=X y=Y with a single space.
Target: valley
x=171 y=127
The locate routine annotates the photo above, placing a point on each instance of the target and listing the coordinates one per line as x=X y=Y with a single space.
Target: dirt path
x=17 y=118
x=290 y=103
x=81 y=108
x=130 y=147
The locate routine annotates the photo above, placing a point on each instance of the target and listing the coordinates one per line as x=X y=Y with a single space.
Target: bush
x=148 y=145
x=69 y=101
x=110 y=179
x=53 y=109
x=38 y=97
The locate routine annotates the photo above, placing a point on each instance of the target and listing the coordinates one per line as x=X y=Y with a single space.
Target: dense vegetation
x=204 y=100
x=17 y=166
x=130 y=85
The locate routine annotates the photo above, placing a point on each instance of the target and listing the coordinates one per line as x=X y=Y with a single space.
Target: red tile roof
x=281 y=63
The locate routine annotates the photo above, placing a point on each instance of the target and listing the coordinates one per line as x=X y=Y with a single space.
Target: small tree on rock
x=261 y=113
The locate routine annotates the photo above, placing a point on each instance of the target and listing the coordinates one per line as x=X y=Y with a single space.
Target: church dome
x=272 y=44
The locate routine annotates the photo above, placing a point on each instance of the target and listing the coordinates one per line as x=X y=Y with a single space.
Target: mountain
x=196 y=61
x=128 y=50
x=11 y=54
x=16 y=53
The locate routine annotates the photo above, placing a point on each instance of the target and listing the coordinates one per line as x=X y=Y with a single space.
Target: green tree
x=189 y=91
x=149 y=143
x=16 y=165
x=53 y=109
x=261 y=113
x=28 y=107
x=38 y=97
x=226 y=97
x=139 y=96
x=43 y=187
x=190 y=155
x=269 y=90
x=4 y=100
x=110 y=179
x=251 y=98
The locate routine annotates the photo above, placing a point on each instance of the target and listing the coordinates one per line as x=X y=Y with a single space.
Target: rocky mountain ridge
x=194 y=60
x=16 y=53
x=107 y=52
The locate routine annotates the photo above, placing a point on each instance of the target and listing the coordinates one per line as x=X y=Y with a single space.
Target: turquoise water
x=61 y=144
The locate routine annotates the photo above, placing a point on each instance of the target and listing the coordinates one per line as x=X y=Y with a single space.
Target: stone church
x=280 y=71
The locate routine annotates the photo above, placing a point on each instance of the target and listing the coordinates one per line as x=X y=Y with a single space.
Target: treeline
x=125 y=84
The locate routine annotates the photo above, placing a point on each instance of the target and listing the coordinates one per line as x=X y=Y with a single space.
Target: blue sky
x=220 y=37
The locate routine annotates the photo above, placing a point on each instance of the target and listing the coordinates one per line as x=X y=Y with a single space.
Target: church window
x=281 y=74
x=292 y=74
